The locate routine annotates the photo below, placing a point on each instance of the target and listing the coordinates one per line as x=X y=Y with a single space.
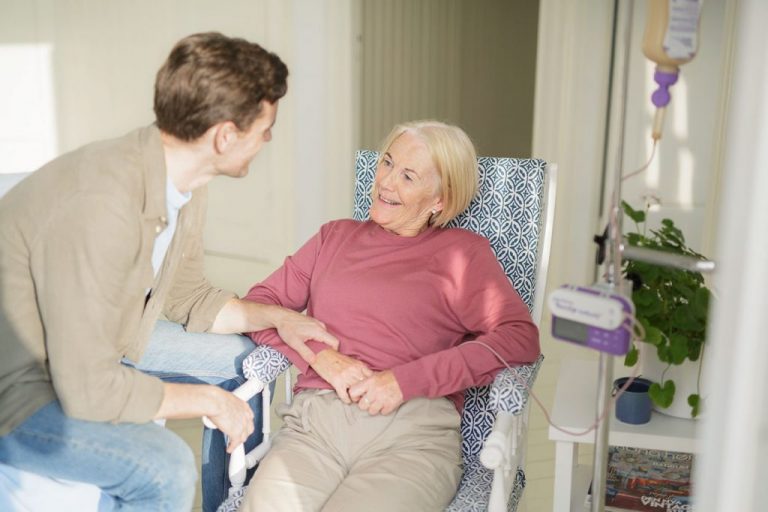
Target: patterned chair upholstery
x=509 y=211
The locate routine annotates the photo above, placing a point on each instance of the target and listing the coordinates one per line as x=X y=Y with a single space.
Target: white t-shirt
x=174 y=200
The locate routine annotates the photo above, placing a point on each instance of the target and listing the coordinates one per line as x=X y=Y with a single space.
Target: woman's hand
x=340 y=371
x=378 y=394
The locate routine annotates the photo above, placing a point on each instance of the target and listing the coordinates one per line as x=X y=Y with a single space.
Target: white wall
x=569 y=120
x=497 y=74
x=465 y=62
x=731 y=473
x=411 y=61
x=76 y=71
x=325 y=83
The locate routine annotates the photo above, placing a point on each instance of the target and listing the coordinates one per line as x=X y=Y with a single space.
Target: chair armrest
x=508 y=393
x=260 y=367
x=265 y=364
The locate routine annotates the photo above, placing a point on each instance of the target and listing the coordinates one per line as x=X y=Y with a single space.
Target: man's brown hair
x=209 y=78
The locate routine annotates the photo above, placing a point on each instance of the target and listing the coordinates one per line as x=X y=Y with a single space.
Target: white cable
x=608 y=404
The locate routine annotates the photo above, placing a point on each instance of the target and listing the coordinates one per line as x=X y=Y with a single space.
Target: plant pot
x=684 y=376
x=633 y=405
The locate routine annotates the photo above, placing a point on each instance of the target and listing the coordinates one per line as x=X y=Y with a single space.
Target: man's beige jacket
x=76 y=241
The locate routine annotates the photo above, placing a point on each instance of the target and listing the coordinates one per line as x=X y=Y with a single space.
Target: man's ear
x=224 y=135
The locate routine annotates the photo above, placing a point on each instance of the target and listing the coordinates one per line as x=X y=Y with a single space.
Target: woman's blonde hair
x=454 y=156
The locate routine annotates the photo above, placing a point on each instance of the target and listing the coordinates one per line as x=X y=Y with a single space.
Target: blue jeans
x=113 y=456
x=137 y=466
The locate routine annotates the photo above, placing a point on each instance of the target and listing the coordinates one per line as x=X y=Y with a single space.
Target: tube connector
x=665 y=78
x=658 y=123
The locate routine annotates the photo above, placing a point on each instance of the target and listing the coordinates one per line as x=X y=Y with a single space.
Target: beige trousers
x=334 y=457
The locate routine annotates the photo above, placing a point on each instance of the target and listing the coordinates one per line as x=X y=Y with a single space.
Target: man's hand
x=378 y=394
x=234 y=418
x=340 y=371
x=295 y=329
x=231 y=415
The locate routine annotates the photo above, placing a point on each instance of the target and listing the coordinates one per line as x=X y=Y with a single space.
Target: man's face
x=238 y=156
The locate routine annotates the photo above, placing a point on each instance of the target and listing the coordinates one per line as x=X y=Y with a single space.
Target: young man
x=100 y=241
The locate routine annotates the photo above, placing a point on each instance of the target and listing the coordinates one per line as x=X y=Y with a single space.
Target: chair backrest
x=509 y=210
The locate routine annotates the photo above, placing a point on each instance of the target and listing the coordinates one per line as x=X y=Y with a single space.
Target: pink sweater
x=405 y=304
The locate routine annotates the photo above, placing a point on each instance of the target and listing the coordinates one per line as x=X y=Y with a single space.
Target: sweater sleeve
x=489 y=309
x=289 y=287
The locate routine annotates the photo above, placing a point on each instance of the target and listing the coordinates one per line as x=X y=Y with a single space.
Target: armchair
x=514 y=209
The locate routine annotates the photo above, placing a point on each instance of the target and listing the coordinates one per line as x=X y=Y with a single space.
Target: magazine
x=647 y=480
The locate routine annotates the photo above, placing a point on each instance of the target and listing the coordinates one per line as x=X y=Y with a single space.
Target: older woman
x=375 y=424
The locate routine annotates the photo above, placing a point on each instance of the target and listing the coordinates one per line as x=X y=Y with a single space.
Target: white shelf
x=574 y=410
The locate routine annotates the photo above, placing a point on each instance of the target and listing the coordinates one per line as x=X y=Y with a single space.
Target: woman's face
x=406 y=188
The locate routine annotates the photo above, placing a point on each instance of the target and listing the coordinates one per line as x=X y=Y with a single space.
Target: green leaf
x=694 y=401
x=678 y=348
x=654 y=307
x=643 y=297
x=672 y=230
x=634 y=238
x=631 y=358
x=701 y=300
x=635 y=215
x=684 y=318
x=662 y=395
x=653 y=335
x=649 y=273
x=662 y=351
x=682 y=289
x=694 y=349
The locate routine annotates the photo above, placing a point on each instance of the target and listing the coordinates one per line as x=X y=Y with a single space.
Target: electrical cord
x=616 y=237
x=636 y=329
x=609 y=403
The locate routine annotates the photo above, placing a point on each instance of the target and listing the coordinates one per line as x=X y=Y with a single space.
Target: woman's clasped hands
x=355 y=382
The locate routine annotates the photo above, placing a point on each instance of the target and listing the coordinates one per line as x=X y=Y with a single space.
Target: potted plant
x=671 y=305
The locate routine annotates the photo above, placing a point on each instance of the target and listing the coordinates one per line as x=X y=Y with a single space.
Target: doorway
x=465 y=62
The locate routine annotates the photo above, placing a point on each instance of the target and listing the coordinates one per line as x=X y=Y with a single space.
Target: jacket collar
x=154 y=174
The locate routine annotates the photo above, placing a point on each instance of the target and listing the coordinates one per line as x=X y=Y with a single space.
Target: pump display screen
x=570 y=330
x=592 y=318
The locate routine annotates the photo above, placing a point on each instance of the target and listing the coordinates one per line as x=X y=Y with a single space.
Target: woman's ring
x=367 y=402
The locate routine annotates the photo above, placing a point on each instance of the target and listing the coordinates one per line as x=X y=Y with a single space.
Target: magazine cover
x=648 y=480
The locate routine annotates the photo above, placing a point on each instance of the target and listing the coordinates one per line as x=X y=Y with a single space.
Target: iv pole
x=617 y=249
x=622 y=42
